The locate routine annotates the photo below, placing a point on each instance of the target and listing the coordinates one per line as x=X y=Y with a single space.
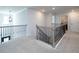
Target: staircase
x=42 y=35
x=50 y=35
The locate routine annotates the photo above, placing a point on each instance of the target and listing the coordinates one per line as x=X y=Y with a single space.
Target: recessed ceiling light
x=53 y=8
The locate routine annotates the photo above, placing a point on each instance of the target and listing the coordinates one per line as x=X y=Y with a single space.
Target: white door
x=73 y=23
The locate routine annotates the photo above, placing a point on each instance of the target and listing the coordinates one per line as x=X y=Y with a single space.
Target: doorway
x=64 y=20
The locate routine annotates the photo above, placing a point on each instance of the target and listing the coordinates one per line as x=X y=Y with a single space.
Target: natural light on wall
x=53 y=19
x=39 y=14
x=6 y=20
x=73 y=13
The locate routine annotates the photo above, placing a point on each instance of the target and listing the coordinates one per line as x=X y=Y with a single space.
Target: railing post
x=53 y=38
x=53 y=35
x=37 y=35
x=1 y=35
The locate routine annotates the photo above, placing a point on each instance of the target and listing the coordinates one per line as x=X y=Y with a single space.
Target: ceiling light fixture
x=53 y=8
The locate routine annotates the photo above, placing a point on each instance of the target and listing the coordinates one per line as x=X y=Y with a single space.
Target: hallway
x=69 y=43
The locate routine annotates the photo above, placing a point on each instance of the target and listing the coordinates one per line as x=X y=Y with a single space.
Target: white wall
x=31 y=18
x=2 y=21
x=48 y=20
x=20 y=18
x=73 y=21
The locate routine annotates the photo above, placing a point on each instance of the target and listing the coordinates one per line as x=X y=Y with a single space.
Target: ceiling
x=6 y=9
x=58 y=9
x=48 y=9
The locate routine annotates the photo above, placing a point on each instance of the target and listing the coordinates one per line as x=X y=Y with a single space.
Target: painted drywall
x=26 y=16
x=73 y=21
x=31 y=18
x=64 y=19
x=3 y=20
x=48 y=20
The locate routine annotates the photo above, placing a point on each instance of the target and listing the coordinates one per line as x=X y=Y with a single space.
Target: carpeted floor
x=68 y=44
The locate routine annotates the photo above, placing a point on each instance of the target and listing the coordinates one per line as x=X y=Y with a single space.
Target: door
x=73 y=23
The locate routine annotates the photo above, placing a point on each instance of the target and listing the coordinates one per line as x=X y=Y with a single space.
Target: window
x=53 y=19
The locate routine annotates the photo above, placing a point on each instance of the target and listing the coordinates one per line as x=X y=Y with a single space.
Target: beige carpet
x=69 y=43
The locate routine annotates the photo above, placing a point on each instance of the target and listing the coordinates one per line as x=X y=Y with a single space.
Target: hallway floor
x=69 y=43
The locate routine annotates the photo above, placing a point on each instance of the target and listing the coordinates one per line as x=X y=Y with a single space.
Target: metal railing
x=12 y=32
x=41 y=35
x=51 y=35
x=58 y=33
